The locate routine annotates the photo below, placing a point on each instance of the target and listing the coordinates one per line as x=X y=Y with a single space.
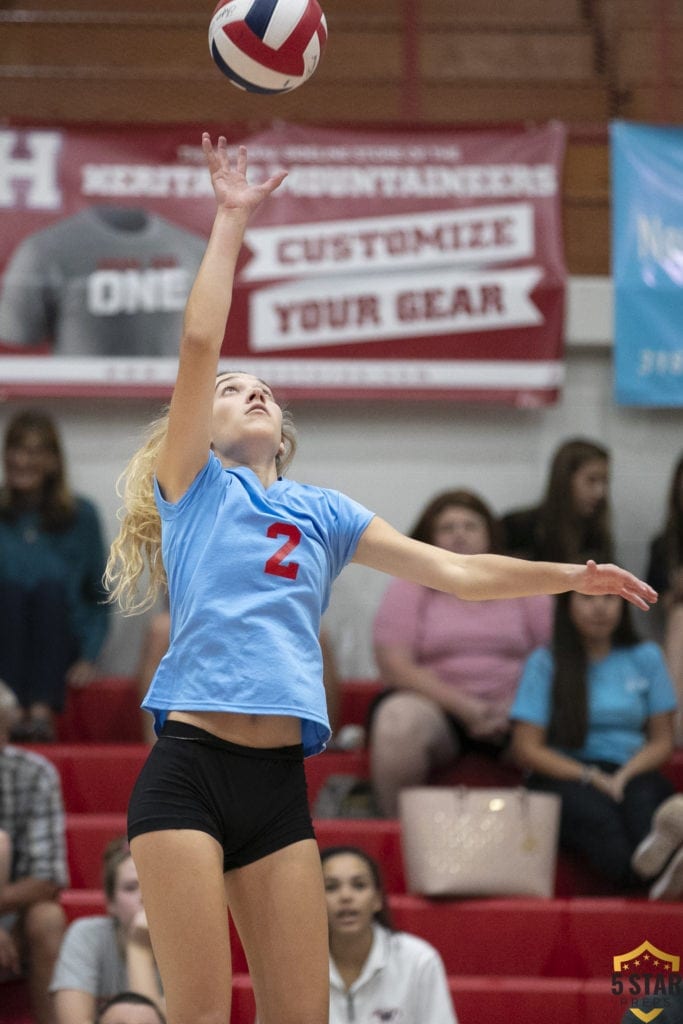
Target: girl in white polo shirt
x=376 y=973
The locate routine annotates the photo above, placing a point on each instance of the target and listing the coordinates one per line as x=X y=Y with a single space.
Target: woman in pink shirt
x=452 y=666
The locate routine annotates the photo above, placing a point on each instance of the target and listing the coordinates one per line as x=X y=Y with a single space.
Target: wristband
x=588 y=773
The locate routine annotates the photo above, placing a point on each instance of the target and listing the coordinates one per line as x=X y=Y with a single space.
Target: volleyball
x=267 y=46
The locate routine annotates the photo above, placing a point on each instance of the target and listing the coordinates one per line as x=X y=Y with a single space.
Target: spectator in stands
x=665 y=572
x=574 y=515
x=130 y=1008
x=103 y=955
x=219 y=813
x=376 y=973
x=53 y=619
x=593 y=722
x=453 y=666
x=32 y=921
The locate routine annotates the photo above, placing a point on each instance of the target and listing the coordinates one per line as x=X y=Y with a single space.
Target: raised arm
x=483 y=577
x=185 y=449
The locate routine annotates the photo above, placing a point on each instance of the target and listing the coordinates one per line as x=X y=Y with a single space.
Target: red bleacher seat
x=493 y=999
x=355 y=699
x=495 y=936
x=86 y=837
x=599 y=929
x=14 y=1004
x=98 y=777
x=106 y=711
x=83 y=903
x=514 y=1000
x=88 y=833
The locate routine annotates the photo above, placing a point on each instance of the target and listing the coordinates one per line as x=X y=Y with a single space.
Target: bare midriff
x=248 y=730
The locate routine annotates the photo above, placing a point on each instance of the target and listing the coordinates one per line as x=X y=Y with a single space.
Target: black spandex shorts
x=253 y=801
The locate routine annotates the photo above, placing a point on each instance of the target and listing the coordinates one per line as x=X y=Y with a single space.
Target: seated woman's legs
x=592 y=826
x=14 y=637
x=52 y=647
x=643 y=794
x=36 y=649
x=410 y=737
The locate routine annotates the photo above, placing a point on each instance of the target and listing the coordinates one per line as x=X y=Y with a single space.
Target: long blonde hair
x=137 y=546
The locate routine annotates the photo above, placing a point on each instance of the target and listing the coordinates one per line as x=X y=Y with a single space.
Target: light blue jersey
x=249 y=573
x=625 y=688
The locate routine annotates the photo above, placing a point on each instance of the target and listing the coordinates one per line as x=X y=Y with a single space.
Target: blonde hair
x=137 y=546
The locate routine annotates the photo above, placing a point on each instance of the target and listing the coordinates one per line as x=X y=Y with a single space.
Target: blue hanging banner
x=647 y=263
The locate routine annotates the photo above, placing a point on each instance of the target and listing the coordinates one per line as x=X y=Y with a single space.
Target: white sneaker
x=665 y=836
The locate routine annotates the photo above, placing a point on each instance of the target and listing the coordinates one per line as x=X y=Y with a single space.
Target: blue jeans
x=602 y=832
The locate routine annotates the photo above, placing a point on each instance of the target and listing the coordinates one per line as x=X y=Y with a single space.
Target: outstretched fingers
x=218 y=160
x=216 y=156
x=274 y=181
x=610 y=579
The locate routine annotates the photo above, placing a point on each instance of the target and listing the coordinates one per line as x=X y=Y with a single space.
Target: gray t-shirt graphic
x=108 y=281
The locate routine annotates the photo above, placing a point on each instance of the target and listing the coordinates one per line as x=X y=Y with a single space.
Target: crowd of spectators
x=563 y=688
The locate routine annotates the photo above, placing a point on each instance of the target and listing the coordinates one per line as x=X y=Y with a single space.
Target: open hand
x=610 y=579
x=230 y=185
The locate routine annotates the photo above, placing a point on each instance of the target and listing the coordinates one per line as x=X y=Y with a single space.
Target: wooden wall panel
x=586 y=237
x=495 y=56
x=587 y=171
x=639 y=56
x=513 y=101
x=352 y=13
x=654 y=104
x=177 y=50
x=629 y=13
x=83 y=45
x=514 y=14
x=156 y=100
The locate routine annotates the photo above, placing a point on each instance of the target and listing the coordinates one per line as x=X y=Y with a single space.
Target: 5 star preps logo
x=649 y=981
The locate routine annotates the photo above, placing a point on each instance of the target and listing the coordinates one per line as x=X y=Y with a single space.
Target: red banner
x=388 y=264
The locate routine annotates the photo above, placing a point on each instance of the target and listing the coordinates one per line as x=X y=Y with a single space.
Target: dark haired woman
x=593 y=722
x=376 y=973
x=452 y=666
x=53 y=619
x=574 y=514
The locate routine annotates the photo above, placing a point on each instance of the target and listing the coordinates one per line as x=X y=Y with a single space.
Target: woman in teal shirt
x=53 y=619
x=593 y=722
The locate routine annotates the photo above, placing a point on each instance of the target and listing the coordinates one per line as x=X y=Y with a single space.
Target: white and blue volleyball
x=267 y=46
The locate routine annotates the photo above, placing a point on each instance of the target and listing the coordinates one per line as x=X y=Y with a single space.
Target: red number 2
x=276 y=564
